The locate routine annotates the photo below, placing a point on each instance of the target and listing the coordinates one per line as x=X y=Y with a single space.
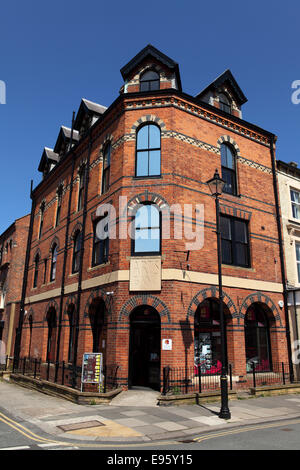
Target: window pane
x=241 y=255
x=240 y=231
x=154 y=85
x=106 y=156
x=225 y=228
x=147 y=241
x=296 y=211
x=298 y=251
x=227 y=157
x=150 y=75
x=142 y=164
x=295 y=196
x=298 y=270
x=142 y=138
x=144 y=86
x=154 y=137
x=226 y=252
x=154 y=162
x=147 y=216
x=229 y=178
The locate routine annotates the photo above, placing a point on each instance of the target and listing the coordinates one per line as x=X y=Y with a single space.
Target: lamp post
x=216 y=185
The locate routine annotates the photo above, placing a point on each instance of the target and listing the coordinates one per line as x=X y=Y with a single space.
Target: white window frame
x=293 y=203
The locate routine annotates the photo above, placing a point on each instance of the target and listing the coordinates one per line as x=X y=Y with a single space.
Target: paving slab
x=170 y=426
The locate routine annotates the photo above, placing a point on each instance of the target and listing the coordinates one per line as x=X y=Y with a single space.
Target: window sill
x=146 y=177
x=238 y=267
x=99 y=266
x=232 y=195
x=73 y=274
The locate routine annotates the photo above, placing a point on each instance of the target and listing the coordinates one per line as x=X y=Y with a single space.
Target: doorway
x=144 y=348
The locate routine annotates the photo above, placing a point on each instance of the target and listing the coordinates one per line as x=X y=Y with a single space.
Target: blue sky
x=54 y=53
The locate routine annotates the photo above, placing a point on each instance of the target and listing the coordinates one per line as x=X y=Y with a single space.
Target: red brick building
x=156 y=146
x=13 y=244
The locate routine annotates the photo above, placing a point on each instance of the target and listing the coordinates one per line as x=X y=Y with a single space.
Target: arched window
x=76 y=252
x=41 y=220
x=106 y=168
x=257 y=341
x=36 y=269
x=148 y=151
x=208 y=337
x=100 y=245
x=53 y=262
x=51 y=320
x=224 y=102
x=228 y=161
x=97 y=316
x=72 y=328
x=149 y=81
x=81 y=188
x=58 y=208
x=147 y=230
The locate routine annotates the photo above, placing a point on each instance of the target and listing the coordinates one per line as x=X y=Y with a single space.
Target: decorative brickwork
x=263 y=298
x=211 y=292
x=144 y=299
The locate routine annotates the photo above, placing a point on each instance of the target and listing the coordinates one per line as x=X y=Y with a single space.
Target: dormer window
x=225 y=104
x=149 y=81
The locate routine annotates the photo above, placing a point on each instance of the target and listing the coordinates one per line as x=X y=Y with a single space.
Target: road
x=16 y=434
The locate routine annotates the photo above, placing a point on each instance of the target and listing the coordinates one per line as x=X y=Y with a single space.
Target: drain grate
x=77 y=426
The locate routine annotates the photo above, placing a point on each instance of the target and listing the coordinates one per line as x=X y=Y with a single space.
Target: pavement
x=134 y=417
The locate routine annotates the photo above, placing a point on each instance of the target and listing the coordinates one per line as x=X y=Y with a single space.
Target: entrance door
x=144 y=351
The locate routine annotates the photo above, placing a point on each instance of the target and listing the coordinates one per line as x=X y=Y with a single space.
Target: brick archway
x=72 y=299
x=262 y=298
x=29 y=314
x=148 y=118
x=207 y=293
x=51 y=304
x=144 y=299
x=154 y=198
x=97 y=293
x=229 y=140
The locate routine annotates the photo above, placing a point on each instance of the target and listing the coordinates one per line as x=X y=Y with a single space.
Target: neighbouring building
x=151 y=300
x=289 y=191
x=13 y=244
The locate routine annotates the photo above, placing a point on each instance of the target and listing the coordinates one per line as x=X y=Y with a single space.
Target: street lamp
x=216 y=185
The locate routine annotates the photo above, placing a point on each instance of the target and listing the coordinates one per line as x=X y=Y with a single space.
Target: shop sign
x=167 y=345
x=91 y=369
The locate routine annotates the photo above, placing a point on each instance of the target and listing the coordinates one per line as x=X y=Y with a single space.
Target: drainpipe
x=24 y=284
x=65 y=255
x=79 y=290
x=282 y=264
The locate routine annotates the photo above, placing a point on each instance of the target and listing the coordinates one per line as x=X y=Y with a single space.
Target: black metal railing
x=263 y=375
x=184 y=380
x=65 y=372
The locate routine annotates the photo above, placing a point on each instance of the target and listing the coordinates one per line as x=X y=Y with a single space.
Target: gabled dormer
x=224 y=93
x=48 y=161
x=150 y=70
x=63 y=140
x=88 y=113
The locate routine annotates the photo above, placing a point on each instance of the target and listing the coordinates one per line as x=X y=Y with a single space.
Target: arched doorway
x=51 y=342
x=144 y=348
x=97 y=315
x=207 y=336
x=257 y=338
